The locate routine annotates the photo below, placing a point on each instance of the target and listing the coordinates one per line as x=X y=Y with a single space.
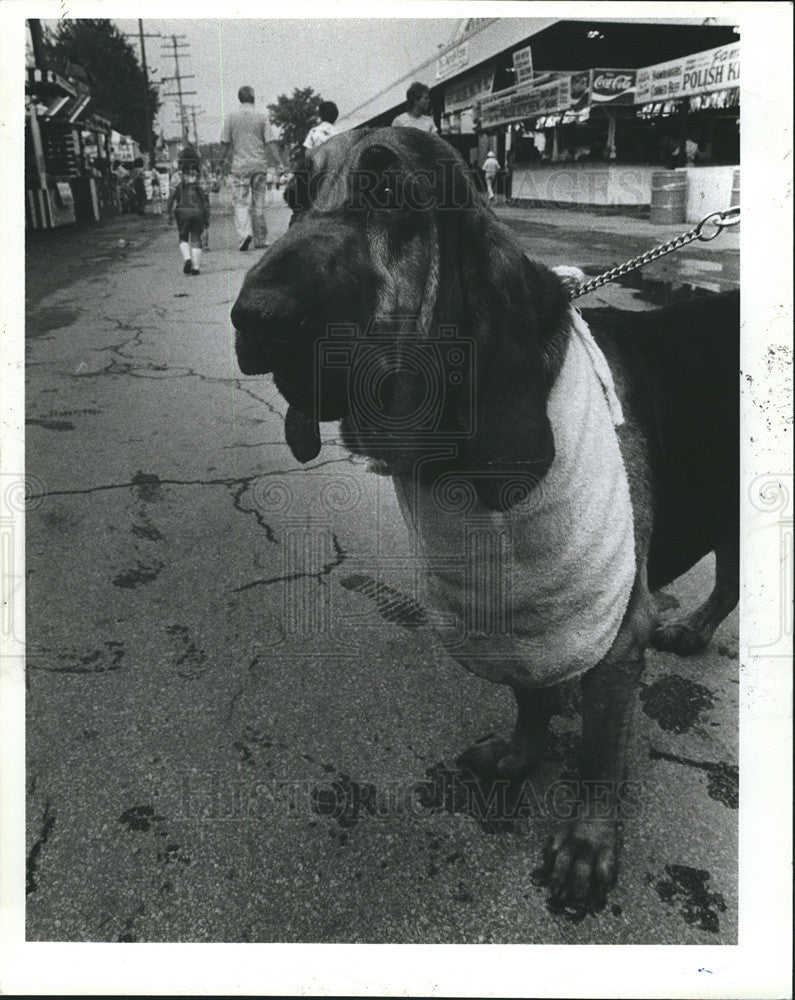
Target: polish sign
x=715 y=69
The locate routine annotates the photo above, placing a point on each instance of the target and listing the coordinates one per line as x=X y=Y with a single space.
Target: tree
x=112 y=71
x=295 y=116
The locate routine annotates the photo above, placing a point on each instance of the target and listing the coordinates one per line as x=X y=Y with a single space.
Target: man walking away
x=418 y=113
x=245 y=133
x=491 y=167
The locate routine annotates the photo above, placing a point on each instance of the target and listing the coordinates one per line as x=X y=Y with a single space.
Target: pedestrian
x=245 y=134
x=328 y=114
x=418 y=112
x=138 y=186
x=491 y=167
x=296 y=194
x=157 y=195
x=191 y=207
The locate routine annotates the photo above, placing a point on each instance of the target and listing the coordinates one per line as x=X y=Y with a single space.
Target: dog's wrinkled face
x=391 y=304
x=339 y=308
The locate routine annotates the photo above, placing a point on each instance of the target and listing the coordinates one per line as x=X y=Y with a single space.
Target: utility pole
x=37 y=41
x=150 y=146
x=193 y=112
x=178 y=45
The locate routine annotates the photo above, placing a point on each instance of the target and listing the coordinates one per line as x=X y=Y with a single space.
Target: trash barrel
x=668 y=196
x=735 y=189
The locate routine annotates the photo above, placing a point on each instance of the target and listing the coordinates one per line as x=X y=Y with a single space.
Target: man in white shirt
x=328 y=114
x=491 y=167
x=418 y=113
x=246 y=134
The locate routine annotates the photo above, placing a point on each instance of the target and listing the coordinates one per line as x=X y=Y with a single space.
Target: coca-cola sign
x=612 y=86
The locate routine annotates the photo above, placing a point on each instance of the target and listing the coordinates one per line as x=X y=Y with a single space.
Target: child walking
x=191 y=207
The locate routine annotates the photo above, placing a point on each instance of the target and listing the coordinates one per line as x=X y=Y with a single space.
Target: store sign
x=453 y=61
x=660 y=109
x=523 y=65
x=612 y=86
x=580 y=89
x=464 y=94
x=526 y=102
x=729 y=98
x=715 y=69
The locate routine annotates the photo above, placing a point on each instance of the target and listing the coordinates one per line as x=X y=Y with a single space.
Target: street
x=239 y=727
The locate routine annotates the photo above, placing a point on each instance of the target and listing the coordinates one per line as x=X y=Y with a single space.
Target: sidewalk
x=624 y=225
x=597 y=243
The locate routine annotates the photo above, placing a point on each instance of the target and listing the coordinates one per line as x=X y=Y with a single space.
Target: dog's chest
x=535 y=595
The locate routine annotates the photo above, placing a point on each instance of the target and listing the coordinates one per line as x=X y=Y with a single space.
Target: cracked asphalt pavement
x=238 y=722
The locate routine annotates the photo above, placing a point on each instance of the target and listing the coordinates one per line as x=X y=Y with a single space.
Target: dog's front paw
x=580 y=863
x=679 y=636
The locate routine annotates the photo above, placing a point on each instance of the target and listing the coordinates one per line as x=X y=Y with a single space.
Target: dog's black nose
x=244 y=317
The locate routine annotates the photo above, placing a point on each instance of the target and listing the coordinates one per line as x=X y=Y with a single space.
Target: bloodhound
x=555 y=475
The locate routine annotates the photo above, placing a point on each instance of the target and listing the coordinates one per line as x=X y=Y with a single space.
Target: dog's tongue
x=302 y=434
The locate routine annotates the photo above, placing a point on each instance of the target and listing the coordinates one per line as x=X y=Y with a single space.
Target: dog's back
x=683 y=368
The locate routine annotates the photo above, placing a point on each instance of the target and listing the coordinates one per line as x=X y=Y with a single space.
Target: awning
x=560 y=93
x=68 y=109
x=78 y=108
x=48 y=83
x=466 y=53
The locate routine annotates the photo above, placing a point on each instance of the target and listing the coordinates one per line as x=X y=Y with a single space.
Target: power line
x=150 y=146
x=179 y=46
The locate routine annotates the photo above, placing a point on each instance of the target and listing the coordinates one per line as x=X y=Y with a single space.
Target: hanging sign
x=523 y=65
x=467 y=91
x=715 y=69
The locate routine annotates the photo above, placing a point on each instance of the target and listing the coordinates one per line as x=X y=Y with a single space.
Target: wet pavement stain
x=140 y=819
x=42 y=320
x=688 y=887
x=92 y=661
x=50 y=425
x=34 y=855
x=191 y=661
x=253 y=739
x=345 y=800
x=391 y=605
x=145 y=529
x=142 y=573
x=675 y=702
x=147 y=485
x=498 y=805
x=723 y=780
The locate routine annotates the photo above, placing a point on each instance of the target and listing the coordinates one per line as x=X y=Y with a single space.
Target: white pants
x=249 y=200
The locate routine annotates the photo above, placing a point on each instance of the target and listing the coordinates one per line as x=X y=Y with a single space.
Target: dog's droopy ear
x=519 y=308
x=512 y=447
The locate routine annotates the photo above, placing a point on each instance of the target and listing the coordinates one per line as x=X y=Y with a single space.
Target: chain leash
x=705 y=231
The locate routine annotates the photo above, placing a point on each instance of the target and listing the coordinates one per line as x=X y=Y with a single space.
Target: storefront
x=66 y=146
x=693 y=107
x=565 y=130
x=594 y=138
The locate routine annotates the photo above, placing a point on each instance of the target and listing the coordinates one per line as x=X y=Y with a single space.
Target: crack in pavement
x=226 y=481
x=236 y=503
x=34 y=855
x=318 y=575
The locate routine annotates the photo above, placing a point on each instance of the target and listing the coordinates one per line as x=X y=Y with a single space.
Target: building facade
x=582 y=112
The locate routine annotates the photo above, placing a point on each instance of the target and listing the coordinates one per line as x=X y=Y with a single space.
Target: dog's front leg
x=582 y=857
